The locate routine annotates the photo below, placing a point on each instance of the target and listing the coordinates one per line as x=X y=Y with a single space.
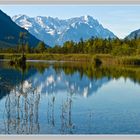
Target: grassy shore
x=58 y=57
x=105 y=58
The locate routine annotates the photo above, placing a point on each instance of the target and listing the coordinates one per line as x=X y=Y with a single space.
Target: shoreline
x=106 y=59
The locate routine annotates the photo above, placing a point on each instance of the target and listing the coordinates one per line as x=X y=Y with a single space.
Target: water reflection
x=21 y=110
x=51 y=82
x=48 y=98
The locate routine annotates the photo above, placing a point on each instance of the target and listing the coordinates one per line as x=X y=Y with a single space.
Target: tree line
x=93 y=45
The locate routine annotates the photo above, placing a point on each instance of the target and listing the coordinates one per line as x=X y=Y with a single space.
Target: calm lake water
x=69 y=98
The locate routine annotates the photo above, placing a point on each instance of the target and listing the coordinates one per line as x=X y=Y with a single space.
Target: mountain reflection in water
x=60 y=98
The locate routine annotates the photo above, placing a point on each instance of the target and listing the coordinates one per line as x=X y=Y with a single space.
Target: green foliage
x=115 y=47
x=27 y=48
x=41 y=47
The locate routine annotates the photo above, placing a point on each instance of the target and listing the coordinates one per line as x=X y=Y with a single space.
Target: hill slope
x=9 y=31
x=133 y=35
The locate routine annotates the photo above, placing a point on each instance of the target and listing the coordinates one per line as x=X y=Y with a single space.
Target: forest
x=115 y=47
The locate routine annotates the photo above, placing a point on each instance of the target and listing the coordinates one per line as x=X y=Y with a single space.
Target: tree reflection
x=95 y=73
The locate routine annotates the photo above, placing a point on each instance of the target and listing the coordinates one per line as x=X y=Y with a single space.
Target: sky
x=120 y=19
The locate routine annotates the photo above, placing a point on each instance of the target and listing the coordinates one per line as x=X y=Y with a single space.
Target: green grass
x=129 y=60
x=106 y=59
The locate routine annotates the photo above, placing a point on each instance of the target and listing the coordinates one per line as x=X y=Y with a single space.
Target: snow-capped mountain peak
x=88 y=18
x=56 y=31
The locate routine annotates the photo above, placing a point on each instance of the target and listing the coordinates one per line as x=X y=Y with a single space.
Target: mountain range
x=56 y=31
x=9 y=32
x=52 y=31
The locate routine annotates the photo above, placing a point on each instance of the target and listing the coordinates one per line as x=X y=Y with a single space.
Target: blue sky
x=121 y=20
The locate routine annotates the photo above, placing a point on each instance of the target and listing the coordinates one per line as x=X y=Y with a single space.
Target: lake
x=69 y=98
